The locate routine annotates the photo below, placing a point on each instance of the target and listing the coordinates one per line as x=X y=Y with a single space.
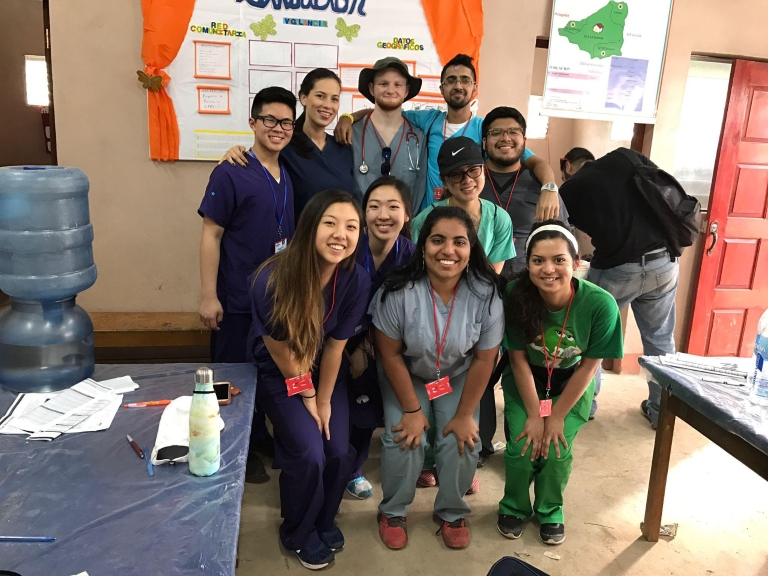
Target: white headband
x=555 y=228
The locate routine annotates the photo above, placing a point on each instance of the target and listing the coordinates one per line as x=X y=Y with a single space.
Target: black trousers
x=488 y=408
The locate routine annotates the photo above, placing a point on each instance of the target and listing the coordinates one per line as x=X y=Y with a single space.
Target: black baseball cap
x=458 y=152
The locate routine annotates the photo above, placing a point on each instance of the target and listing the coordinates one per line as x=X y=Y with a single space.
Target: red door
x=732 y=291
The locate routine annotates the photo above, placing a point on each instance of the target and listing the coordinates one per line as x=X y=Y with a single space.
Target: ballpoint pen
x=150 y=470
x=147 y=404
x=135 y=447
x=27 y=538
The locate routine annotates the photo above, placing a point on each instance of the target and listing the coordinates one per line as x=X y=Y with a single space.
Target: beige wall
x=21 y=137
x=147 y=231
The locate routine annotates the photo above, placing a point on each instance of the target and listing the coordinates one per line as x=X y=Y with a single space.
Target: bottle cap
x=204 y=376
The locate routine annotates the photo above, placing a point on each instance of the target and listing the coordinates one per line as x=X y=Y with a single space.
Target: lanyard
x=333 y=295
x=493 y=187
x=445 y=127
x=368 y=252
x=440 y=343
x=279 y=217
x=551 y=369
x=381 y=143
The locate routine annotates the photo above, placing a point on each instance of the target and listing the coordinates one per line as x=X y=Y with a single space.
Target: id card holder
x=299 y=384
x=280 y=246
x=438 y=388
x=437 y=192
x=545 y=408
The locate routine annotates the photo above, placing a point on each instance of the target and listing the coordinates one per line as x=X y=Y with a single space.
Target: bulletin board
x=234 y=48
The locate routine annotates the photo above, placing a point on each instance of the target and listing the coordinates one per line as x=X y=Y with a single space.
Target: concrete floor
x=720 y=505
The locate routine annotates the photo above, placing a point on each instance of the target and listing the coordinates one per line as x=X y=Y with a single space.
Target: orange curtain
x=456 y=27
x=165 y=26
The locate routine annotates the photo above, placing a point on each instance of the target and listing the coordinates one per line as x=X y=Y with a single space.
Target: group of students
x=395 y=302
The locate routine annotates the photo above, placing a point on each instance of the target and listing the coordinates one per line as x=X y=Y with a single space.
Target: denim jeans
x=650 y=289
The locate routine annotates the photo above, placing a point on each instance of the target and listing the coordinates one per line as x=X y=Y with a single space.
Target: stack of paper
x=718 y=370
x=86 y=407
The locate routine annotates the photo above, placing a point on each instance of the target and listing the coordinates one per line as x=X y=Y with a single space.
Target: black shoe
x=265 y=446
x=647 y=413
x=481 y=460
x=510 y=526
x=552 y=534
x=255 y=473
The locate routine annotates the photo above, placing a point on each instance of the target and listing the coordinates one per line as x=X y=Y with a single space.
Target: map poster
x=606 y=58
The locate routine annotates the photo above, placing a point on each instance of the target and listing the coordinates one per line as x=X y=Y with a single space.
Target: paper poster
x=277 y=43
x=605 y=58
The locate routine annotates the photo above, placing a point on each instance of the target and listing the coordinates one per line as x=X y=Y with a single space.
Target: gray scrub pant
x=400 y=468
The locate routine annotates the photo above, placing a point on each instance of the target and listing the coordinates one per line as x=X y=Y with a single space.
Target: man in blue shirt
x=458 y=86
x=247 y=217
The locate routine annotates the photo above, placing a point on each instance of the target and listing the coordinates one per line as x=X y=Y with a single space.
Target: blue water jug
x=46 y=258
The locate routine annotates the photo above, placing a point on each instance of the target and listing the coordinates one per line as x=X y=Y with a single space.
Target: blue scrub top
x=247 y=203
x=344 y=321
x=325 y=169
x=433 y=121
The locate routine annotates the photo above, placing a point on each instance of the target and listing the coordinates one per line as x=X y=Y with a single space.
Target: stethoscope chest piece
x=363 y=168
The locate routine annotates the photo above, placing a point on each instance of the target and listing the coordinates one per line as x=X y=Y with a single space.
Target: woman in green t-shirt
x=558 y=329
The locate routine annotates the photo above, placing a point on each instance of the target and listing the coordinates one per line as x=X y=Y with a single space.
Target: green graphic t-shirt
x=593 y=329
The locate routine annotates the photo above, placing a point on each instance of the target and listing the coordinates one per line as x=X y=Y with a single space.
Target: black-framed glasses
x=386 y=155
x=500 y=132
x=458 y=175
x=270 y=122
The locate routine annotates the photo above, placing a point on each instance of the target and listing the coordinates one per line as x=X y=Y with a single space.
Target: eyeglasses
x=458 y=175
x=464 y=81
x=511 y=132
x=270 y=122
x=386 y=166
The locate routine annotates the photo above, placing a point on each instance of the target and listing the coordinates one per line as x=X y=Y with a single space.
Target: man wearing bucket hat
x=386 y=143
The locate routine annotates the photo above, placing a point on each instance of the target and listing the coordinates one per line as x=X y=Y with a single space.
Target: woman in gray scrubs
x=439 y=323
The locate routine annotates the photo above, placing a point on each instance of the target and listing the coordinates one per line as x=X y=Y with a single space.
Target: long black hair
x=524 y=306
x=300 y=140
x=478 y=267
x=405 y=195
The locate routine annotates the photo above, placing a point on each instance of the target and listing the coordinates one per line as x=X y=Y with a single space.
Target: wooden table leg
x=659 y=469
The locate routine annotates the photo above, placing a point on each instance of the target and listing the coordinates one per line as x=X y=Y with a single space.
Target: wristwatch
x=347 y=115
x=549 y=187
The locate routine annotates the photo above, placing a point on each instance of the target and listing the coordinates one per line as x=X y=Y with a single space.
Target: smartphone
x=223 y=392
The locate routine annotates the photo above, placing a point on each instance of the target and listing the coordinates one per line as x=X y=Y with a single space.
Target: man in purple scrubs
x=247 y=217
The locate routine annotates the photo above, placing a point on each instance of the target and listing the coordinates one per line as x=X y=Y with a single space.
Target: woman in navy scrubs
x=386 y=245
x=306 y=302
x=315 y=161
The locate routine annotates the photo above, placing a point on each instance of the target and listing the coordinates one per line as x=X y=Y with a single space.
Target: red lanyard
x=440 y=343
x=551 y=369
x=333 y=295
x=381 y=143
x=445 y=126
x=493 y=187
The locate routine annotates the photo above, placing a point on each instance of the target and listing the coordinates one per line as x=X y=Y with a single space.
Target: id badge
x=280 y=246
x=437 y=193
x=299 y=384
x=438 y=388
x=545 y=408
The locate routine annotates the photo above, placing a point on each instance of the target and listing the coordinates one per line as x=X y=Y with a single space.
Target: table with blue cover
x=94 y=494
x=722 y=413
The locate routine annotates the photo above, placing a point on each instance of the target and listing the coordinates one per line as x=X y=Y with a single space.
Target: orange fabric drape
x=165 y=26
x=456 y=27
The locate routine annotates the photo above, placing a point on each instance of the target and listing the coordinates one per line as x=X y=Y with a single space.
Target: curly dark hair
x=524 y=306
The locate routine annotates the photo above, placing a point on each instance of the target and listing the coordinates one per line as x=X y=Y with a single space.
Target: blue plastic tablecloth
x=94 y=494
x=727 y=406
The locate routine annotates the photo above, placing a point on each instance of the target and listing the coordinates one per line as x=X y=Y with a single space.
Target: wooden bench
x=150 y=337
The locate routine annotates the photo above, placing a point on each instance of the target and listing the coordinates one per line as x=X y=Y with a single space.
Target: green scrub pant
x=549 y=476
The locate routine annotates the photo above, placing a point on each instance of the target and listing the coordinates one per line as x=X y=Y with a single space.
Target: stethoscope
x=410 y=137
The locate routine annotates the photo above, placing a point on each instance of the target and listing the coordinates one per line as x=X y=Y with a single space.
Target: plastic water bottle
x=758 y=376
x=46 y=258
x=204 y=432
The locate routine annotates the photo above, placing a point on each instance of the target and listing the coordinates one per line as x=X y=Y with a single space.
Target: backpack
x=509 y=566
x=679 y=214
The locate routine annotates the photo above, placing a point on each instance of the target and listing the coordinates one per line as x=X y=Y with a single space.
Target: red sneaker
x=427 y=478
x=393 y=532
x=455 y=534
x=475 y=488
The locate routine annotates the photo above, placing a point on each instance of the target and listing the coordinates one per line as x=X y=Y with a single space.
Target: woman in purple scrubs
x=313 y=158
x=386 y=245
x=306 y=302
